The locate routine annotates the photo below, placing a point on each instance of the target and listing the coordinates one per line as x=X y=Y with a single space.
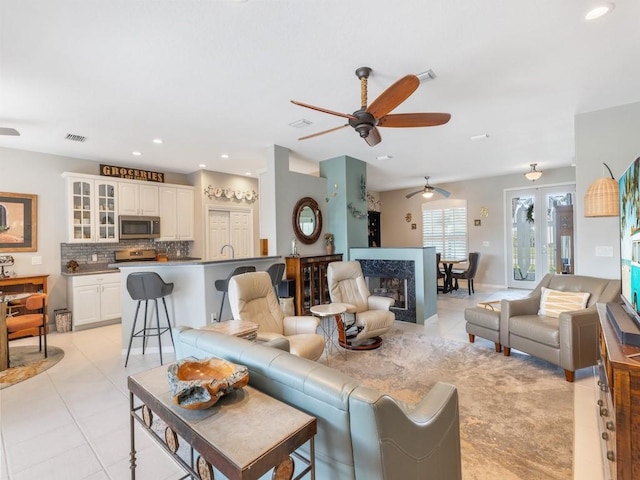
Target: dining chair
x=469 y=273
x=31 y=323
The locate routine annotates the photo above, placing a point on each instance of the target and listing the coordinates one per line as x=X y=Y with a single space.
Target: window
x=444 y=226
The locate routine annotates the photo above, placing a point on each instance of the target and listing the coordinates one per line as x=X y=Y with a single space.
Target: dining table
x=4 y=341
x=447 y=265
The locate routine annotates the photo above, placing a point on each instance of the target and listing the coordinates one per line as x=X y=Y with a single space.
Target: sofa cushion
x=554 y=302
x=539 y=328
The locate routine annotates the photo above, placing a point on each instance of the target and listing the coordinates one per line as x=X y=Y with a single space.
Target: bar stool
x=276 y=271
x=148 y=286
x=222 y=285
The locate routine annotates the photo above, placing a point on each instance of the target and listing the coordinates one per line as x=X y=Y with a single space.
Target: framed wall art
x=18 y=222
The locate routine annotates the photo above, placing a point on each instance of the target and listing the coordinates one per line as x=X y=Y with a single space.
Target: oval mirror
x=307 y=220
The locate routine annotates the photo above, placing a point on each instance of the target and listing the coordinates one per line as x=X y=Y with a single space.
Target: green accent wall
x=344 y=178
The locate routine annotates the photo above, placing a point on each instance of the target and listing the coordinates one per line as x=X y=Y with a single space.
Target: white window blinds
x=444 y=226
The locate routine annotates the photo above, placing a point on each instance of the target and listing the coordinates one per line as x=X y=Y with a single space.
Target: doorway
x=539 y=233
x=233 y=226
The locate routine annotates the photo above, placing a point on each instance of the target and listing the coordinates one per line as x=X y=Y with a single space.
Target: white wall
x=609 y=136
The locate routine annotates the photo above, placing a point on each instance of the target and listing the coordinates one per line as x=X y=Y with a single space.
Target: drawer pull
x=611 y=456
x=609 y=425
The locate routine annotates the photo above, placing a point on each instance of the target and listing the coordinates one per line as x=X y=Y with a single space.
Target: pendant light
x=533 y=174
x=602 y=198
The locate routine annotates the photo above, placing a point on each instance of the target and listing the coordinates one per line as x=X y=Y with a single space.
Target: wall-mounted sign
x=131 y=173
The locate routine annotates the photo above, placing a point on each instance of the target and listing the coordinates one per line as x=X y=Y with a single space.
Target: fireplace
x=396 y=279
x=395 y=288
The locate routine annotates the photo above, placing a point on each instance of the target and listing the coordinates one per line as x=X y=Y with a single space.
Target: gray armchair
x=570 y=340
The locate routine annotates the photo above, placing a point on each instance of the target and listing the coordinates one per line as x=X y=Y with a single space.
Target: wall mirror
x=307 y=220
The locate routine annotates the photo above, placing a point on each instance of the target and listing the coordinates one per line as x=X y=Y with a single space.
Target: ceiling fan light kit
x=369 y=117
x=428 y=191
x=533 y=174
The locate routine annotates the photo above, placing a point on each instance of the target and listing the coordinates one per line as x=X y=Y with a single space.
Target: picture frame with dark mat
x=18 y=222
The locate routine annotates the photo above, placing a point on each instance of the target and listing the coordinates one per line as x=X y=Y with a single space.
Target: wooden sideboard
x=310 y=276
x=26 y=284
x=619 y=399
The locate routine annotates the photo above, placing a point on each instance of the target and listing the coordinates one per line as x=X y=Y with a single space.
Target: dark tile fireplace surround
x=392 y=270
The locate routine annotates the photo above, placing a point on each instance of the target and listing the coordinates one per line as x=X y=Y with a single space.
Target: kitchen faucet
x=231 y=247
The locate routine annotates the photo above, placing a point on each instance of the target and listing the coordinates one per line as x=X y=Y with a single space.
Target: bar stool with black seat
x=148 y=286
x=276 y=271
x=222 y=284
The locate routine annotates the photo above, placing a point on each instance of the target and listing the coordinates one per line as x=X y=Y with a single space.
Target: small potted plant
x=328 y=238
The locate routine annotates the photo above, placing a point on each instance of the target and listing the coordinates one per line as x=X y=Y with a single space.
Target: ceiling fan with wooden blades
x=368 y=118
x=428 y=191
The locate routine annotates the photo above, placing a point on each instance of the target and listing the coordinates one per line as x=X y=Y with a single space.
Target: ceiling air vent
x=75 y=138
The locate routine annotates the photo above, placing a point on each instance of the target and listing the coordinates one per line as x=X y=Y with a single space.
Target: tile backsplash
x=83 y=252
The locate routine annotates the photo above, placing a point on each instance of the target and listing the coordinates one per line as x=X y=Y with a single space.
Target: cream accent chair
x=570 y=340
x=252 y=298
x=372 y=317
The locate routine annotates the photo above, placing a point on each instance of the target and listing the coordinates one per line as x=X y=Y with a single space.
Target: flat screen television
x=630 y=239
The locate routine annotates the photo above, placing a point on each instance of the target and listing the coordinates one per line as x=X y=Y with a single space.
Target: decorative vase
x=330 y=248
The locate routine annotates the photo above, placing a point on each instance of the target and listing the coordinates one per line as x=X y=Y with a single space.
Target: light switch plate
x=36 y=260
x=604 y=251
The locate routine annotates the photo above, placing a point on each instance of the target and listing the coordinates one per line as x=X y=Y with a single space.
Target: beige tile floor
x=71 y=422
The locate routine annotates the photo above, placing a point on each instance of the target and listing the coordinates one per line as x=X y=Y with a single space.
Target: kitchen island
x=195 y=302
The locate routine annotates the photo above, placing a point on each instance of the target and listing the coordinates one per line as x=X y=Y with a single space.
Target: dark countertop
x=184 y=261
x=90 y=269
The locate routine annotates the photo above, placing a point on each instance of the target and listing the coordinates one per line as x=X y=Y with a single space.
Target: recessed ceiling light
x=384 y=157
x=202 y=165
x=247 y=173
x=482 y=136
x=599 y=10
x=158 y=141
x=137 y=154
x=224 y=155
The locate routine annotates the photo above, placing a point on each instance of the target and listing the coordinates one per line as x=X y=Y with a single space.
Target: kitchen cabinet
x=176 y=213
x=310 y=275
x=138 y=198
x=92 y=210
x=94 y=299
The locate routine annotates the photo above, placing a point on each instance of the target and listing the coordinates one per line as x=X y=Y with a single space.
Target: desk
x=244 y=435
x=4 y=342
x=325 y=312
x=448 y=267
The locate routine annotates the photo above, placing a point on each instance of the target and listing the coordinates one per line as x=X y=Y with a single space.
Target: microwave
x=134 y=227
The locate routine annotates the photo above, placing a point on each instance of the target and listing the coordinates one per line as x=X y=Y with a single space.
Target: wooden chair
x=29 y=324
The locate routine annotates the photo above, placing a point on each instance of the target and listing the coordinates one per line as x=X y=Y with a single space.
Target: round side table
x=329 y=329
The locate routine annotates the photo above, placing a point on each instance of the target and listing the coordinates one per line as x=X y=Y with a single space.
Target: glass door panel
x=539 y=234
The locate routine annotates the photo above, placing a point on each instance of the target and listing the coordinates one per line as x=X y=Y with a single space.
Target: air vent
x=75 y=138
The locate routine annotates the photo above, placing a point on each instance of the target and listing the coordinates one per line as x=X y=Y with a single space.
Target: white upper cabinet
x=92 y=210
x=138 y=199
x=176 y=213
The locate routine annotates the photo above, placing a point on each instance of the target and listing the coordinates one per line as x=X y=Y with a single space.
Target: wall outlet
x=178 y=253
x=485 y=244
x=94 y=257
x=213 y=317
x=36 y=260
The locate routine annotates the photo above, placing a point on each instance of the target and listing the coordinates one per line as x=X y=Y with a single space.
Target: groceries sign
x=131 y=173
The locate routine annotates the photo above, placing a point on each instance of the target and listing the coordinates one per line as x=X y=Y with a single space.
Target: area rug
x=516 y=413
x=26 y=362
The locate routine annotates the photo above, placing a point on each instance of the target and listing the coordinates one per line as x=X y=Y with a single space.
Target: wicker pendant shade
x=602 y=198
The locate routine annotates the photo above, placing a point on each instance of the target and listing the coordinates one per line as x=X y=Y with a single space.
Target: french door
x=539 y=233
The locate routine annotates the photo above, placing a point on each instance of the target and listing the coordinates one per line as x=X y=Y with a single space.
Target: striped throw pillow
x=554 y=302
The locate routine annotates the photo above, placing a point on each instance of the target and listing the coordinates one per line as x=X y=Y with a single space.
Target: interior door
x=218 y=235
x=539 y=234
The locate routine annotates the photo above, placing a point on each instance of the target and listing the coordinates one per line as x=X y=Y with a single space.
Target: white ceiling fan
x=9 y=131
x=428 y=191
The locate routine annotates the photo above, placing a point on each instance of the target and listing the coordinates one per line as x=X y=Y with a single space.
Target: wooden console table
x=244 y=435
x=25 y=284
x=619 y=399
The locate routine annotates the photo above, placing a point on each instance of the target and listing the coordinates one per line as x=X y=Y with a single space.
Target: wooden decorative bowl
x=199 y=384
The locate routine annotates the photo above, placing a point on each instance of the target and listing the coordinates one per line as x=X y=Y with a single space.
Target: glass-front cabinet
x=93 y=210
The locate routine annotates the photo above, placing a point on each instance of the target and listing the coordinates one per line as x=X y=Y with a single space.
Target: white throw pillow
x=554 y=302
